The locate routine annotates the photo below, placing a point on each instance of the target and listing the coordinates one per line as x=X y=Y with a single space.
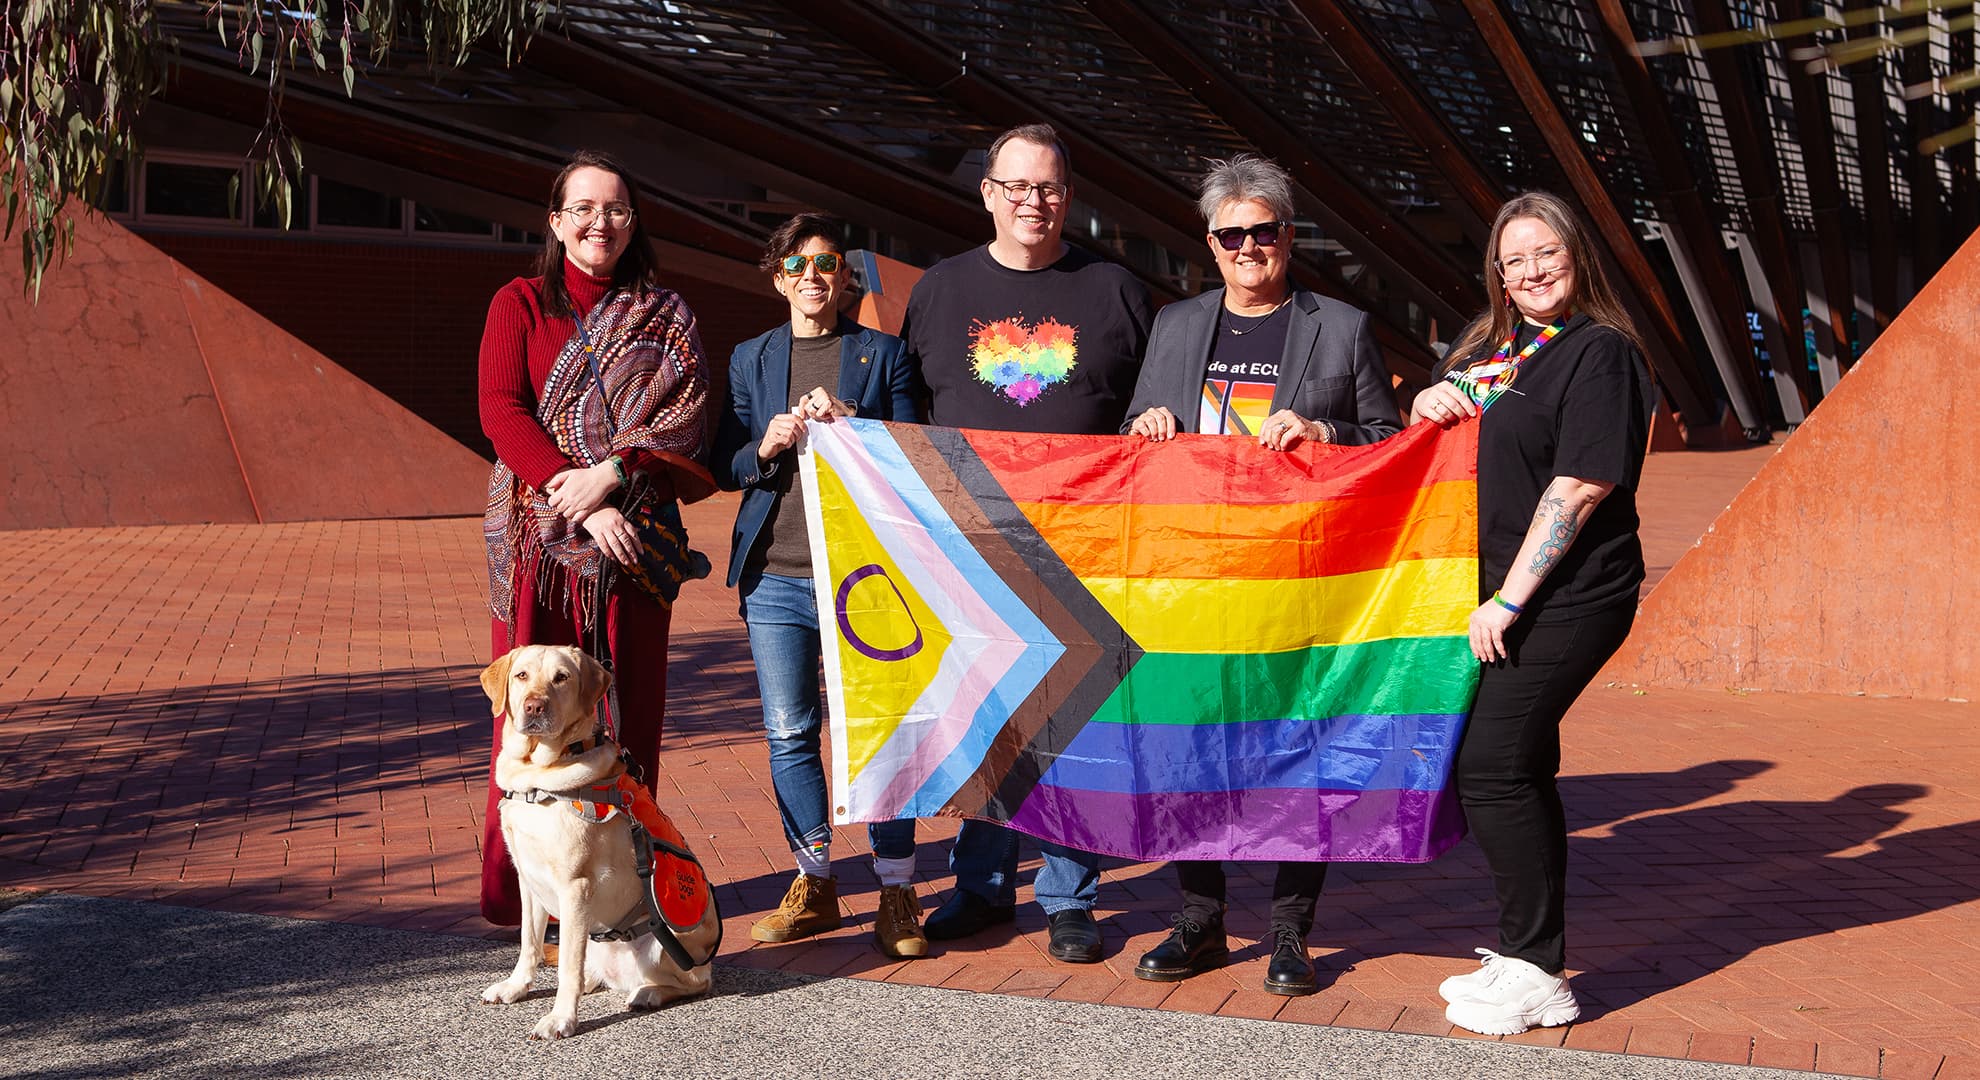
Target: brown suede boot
x=811 y=907
x=897 y=925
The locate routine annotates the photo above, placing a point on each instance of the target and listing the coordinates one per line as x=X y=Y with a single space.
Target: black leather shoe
x=1075 y=936
x=1290 y=973
x=1190 y=948
x=965 y=913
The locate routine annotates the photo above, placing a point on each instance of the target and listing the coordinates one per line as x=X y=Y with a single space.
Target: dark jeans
x=1295 y=891
x=1507 y=764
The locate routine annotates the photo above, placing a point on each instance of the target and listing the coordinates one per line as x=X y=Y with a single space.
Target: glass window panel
x=172 y=189
x=266 y=217
x=432 y=219
x=349 y=206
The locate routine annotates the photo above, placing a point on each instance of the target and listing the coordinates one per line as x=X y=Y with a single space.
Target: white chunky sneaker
x=1515 y=996
x=1459 y=987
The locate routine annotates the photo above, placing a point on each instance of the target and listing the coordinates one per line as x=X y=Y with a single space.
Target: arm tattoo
x=1562 y=523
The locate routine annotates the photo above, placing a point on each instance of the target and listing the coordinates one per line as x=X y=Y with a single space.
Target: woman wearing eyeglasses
x=1558 y=373
x=777 y=381
x=1257 y=359
x=594 y=447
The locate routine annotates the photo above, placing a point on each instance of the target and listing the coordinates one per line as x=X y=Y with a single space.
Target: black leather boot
x=1291 y=972
x=1193 y=946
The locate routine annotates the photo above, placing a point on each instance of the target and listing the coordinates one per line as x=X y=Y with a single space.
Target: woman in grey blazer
x=1258 y=357
x=1263 y=360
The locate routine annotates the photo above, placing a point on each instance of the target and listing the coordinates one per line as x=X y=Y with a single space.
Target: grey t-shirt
x=784 y=545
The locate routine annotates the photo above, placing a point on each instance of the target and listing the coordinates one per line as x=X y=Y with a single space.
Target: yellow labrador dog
x=578 y=870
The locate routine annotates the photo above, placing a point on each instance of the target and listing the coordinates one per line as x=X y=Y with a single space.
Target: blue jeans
x=985 y=862
x=782 y=615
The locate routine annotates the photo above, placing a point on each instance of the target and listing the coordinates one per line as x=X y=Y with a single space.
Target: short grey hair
x=1241 y=179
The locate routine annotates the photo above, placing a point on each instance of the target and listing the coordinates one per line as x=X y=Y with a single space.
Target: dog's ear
x=495 y=682
x=593 y=680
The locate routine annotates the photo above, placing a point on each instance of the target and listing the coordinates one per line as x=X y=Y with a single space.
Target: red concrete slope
x=136 y=393
x=888 y=283
x=1850 y=562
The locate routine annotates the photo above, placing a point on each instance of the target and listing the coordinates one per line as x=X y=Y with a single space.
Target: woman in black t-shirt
x=1558 y=374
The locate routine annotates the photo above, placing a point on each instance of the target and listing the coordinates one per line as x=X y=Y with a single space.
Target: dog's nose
x=534 y=707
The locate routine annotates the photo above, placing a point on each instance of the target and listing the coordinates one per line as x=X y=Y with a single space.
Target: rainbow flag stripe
x=1195 y=649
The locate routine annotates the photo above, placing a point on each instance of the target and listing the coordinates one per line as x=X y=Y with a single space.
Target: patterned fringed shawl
x=649 y=357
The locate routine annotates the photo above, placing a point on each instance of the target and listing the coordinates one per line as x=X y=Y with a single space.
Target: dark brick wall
x=407 y=318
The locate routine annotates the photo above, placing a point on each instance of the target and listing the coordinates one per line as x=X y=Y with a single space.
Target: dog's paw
x=646 y=999
x=553 y=1026
x=506 y=992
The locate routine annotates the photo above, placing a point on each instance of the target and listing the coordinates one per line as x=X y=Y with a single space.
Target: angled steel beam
x=1922 y=120
x=1752 y=138
x=1153 y=205
x=1348 y=35
x=1640 y=285
x=1965 y=169
x=1691 y=223
x=1816 y=121
x=368 y=130
x=842 y=176
x=1362 y=223
x=1873 y=157
x=1151 y=202
x=838 y=175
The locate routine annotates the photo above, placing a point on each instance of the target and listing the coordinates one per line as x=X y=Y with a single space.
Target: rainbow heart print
x=1022 y=361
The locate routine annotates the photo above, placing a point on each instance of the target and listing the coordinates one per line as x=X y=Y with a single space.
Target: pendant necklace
x=1235 y=332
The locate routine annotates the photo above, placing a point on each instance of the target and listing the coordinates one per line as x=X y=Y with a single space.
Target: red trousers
x=636 y=627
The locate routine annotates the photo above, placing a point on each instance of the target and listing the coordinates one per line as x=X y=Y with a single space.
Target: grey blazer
x=1330 y=371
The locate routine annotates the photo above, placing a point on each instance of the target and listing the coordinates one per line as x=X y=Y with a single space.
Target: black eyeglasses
x=1018 y=191
x=1266 y=233
x=827 y=262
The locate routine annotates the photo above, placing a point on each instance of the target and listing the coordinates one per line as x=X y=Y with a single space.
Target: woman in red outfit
x=580 y=438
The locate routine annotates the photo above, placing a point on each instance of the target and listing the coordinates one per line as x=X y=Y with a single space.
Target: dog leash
x=650 y=920
x=600 y=648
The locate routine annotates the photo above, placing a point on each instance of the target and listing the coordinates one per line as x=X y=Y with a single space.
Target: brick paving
x=285 y=720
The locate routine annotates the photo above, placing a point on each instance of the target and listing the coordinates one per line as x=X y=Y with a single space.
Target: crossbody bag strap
x=597 y=379
x=600 y=645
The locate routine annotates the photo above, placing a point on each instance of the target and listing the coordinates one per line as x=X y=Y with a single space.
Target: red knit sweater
x=519 y=346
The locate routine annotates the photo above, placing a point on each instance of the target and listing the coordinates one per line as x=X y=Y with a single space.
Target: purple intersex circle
x=845 y=621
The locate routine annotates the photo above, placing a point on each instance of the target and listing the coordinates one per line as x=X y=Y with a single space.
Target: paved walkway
x=285 y=720
x=281 y=997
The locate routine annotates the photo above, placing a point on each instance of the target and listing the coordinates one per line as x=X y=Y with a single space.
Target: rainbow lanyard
x=1484 y=381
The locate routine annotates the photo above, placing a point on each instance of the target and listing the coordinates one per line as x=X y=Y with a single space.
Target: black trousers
x=1507 y=764
x=1295 y=891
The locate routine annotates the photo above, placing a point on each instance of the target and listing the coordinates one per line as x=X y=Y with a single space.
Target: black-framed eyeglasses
x=617 y=215
x=1548 y=260
x=1265 y=233
x=827 y=262
x=1019 y=191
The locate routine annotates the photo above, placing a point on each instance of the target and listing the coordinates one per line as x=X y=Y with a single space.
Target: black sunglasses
x=1266 y=233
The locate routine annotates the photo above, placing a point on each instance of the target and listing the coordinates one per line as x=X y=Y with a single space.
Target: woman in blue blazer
x=778 y=381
